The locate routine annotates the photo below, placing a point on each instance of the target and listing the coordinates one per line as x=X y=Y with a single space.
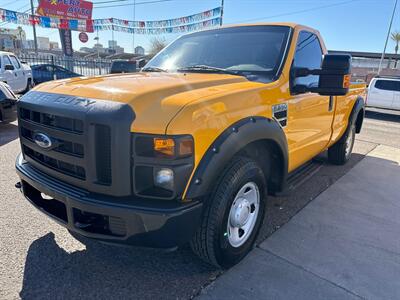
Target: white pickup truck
x=16 y=74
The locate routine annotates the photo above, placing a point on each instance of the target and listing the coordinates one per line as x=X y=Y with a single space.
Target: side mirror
x=141 y=63
x=9 y=67
x=334 y=76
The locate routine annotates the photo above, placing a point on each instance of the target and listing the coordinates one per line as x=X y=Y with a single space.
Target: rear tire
x=232 y=215
x=340 y=152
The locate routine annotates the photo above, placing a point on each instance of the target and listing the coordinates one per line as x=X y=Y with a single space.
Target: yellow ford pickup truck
x=188 y=149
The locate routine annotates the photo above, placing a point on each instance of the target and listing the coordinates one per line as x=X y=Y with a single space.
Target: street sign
x=83 y=37
x=66 y=9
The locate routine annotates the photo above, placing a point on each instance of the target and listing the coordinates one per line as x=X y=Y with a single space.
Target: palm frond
x=395 y=36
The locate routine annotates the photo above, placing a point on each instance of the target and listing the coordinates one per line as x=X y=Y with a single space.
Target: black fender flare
x=229 y=143
x=359 y=105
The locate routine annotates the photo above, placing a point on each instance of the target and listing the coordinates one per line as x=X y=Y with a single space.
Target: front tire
x=340 y=152
x=232 y=215
x=29 y=85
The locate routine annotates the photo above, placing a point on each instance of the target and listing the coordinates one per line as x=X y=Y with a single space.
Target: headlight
x=164 y=178
x=162 y=164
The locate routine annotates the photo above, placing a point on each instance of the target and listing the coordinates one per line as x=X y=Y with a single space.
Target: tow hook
x=83 y=225
x=18 y=185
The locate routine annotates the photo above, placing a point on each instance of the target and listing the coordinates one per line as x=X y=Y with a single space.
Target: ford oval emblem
x=42 y=140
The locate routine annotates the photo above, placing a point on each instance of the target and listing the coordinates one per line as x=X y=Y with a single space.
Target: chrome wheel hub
x=243 y=214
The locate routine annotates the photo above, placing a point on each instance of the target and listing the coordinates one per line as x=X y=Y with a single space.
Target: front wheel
x=29 y=85
x=233 y=215
x=340 y=152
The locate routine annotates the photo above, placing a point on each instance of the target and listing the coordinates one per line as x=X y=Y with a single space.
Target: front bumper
x=8 y=110
x=121 y=220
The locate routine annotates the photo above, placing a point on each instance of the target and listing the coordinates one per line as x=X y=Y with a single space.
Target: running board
x=301 y=175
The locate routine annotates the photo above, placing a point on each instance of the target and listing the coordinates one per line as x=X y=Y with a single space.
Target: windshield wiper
x=199 y=68
x=153 y=69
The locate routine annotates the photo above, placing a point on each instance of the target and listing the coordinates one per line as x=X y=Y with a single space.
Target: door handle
x=330 y=103
x=15 y=74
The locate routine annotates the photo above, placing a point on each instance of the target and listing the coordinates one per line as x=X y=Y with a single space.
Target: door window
x=308 y=55
x=388 y=85
x=15 y=62
x=2 y=95
x=7 y=61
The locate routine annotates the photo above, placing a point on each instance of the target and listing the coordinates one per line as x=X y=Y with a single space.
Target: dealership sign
x=66 y=9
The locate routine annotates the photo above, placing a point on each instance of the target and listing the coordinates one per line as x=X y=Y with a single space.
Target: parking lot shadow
x=382 y=115
x=105 y=272
x=8 y=133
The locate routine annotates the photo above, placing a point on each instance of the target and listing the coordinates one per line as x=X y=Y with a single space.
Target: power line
x=130 y=4
x=110 y=1
x=298 y=11
x=11 y=2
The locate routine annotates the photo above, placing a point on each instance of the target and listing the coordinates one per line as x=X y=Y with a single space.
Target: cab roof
x=6 y=53
x=287 y=24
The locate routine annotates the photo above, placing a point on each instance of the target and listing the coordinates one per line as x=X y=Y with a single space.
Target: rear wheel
x=233 y=214
x=340 y=152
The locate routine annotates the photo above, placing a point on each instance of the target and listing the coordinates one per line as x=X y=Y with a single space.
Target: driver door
x=19 y=74
x=310 y=115
x=9 y=75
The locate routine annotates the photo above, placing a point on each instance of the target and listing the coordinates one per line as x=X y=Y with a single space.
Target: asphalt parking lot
x=39 y=259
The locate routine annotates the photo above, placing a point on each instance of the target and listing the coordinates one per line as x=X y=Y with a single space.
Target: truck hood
x=154 y=97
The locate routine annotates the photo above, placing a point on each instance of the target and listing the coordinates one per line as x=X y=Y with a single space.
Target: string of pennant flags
x=212 y=13
x=202 y=20
x=175 y=29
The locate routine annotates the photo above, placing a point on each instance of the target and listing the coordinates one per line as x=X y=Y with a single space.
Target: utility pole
x=387 y=38
x=112 y=37
x=133 y=27
x=222 y=12
x=34 y=27
x=97 y=42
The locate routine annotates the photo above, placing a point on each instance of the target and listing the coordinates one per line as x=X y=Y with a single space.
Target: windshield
x=252 y=51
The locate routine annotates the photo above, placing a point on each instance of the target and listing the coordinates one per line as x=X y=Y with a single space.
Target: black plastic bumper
x=133 y=221
x=8 y=110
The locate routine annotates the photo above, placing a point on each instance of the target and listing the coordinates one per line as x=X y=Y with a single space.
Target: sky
x=352 y=25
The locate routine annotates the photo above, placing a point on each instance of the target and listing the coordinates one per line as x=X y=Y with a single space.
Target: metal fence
x=81 y=66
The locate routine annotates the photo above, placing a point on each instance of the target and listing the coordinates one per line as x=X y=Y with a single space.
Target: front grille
x=55 y=164
x=103 y=154
x=90 y=140
x=66 y=147
x=66 y=133
x=53 y=121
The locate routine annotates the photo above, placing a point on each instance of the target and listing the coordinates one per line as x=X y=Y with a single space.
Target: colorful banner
x=209 y=18
x=65 y=9
x=162 y=30
x=212 y=13
x=46 y=22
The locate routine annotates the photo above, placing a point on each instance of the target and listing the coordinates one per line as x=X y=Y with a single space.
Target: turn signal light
x=186 y=147
x=346 y=81
x=164 y=146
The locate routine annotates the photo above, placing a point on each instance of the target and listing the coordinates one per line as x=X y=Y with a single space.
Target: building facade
x=139 y=50
x=365 y=65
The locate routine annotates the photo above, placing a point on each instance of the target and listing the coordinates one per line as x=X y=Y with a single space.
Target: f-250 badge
x=279 y=112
